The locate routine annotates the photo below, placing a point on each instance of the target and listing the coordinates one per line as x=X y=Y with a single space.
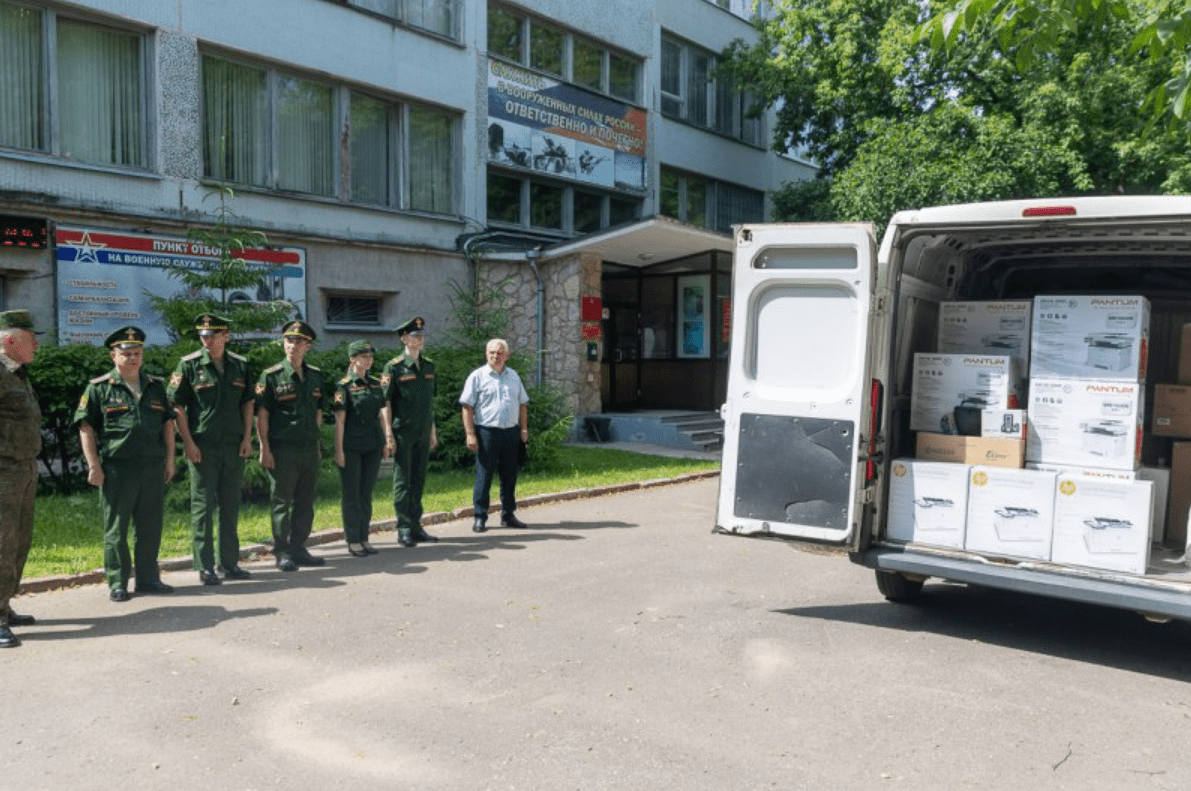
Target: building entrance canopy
x=645 y=243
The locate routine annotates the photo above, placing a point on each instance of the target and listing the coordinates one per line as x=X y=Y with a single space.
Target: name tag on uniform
x=115 y=409
x=428 y=376
x=156 y=406
x=407 y=377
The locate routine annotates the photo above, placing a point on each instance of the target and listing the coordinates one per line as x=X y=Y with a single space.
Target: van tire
x=897 y=588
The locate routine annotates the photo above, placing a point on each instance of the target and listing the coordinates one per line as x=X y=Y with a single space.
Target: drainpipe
x=531 y=256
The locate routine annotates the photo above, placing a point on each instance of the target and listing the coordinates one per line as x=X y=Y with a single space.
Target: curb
x=331 y=535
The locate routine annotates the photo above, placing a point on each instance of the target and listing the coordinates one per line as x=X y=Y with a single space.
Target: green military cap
x=360 y=347
x=126 y=338
x=209 y=324
x=299 y=329
x=415 y=325
x=17 y=320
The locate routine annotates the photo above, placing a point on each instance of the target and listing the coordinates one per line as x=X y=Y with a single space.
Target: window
x=712 y=204
x=437 y=16
x=96 y=112
x=691 y=92
x=504 y=199
x=355 y=310
x=267 y=128
x=545 y=205
x=539 y=45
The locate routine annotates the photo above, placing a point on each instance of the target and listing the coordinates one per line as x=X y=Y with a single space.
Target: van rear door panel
x=798 y=388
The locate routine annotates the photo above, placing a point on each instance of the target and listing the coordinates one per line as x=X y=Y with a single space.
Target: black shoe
x=119 y=594
x=154 y=587
x=357 y=550
x=406 y=540
x=20 y=620
x=478 y=526
x=7 y=638
x=207 y=577
x=304 y=558
x=421 y=536
x=235 y=573
x=286 y=564
x=371 y=550
x=511 y=521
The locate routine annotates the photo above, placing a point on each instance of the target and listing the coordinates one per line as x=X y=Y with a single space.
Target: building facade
x=582 y=157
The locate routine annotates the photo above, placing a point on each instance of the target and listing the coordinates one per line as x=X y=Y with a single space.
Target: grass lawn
x=68 y=531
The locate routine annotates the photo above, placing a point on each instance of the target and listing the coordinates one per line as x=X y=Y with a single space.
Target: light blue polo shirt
x=495 y=397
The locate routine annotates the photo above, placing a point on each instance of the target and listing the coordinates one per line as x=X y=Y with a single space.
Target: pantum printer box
x=1010 y=512
x=1102 y=523
x=997 y=327
x=928 y=502
x=1085 y=423
x=949 y=391
x=1101 y=337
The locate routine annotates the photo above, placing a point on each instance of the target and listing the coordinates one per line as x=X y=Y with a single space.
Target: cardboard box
x=1010 y=512
x=1000 y=327
x=1089 y=472
x=1092 y=337
x=1005 y=423
x=1172 y=411
x=1185 y=356
x=1085 y=423
x=1160 y=477
x=1180 y=495
x=1102 y=523
x=928 y=502
x=990 y=451
x=973 y=382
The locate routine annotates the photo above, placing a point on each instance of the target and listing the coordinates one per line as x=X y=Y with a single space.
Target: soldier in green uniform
x=359 y=443
x=126 y=428
x=20 y=442
x=290 y=399
x=212 y=396
x=408 y=384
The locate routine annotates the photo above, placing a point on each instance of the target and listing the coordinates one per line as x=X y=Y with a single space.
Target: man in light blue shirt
x=496 y=422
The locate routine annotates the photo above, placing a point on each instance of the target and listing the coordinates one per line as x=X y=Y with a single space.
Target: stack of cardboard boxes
x=1172 y=418
x=1078 y=499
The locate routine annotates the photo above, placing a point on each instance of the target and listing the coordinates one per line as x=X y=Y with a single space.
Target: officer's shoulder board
x=397 y=360
x=274 y=369
x=314 y=368
x=151 y=378
x=194 y=355
x=237 y=357
x=345 y=380
x=101 y=379
x=426 y=359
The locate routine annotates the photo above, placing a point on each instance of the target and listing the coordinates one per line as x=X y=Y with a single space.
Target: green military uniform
x=409 y=389
x=213 y=402
x=132 y=448
x=361 y=400
x=294 y=404
x=20 y=442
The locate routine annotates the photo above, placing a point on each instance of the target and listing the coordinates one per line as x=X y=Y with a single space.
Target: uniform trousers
x=293 y=480
x=18 y=489
x=357 y=477
x=133 y=491
x=496 y=453
x=215 y=492
x=409 y=478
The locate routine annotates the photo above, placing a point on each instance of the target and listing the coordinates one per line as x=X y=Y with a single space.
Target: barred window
x=354 y=310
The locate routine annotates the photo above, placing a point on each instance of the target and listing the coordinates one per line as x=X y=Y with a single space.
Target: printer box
x=991 y=451
x=1094 y=337
x=949 y=391
x=1004 y=423
x=1172 y=411
x=996 y=327
x=1102 y=523
x=1010 y=512
x=928 y=502
x=1085 y=422
x=1160 y=476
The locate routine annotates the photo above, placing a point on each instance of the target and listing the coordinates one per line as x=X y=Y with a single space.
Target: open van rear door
x=799 y=391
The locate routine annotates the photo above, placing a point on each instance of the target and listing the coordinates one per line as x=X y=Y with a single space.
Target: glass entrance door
x=622 y=357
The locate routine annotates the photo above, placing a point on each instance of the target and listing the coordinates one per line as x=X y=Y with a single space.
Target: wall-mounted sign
x=590 y=308
x=25 y=232
x=544 y=125
x=693 y=309
x=105 y=279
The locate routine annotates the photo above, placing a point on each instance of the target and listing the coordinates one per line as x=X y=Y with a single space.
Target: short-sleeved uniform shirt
x=495 y=397
x=361 y=399
x=294 y=404
x=20 y=415
x=127 y=427
x=410 y=389
x=213 y=402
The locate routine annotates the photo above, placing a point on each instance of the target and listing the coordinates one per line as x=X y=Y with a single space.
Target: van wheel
x=896 y=587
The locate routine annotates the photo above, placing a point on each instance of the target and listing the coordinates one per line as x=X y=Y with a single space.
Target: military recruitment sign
x=536 y=123
x=105 y=279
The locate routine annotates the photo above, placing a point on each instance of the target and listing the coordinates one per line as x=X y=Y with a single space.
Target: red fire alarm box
x=591 y=308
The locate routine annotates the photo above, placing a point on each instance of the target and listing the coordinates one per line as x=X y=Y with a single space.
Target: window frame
x=403 y=16
x=715 y=194
x=709 y=111
x=377 y=300
x=525 y=206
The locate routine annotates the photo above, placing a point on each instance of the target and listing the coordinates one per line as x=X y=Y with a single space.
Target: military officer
x=290 y=399
x=212 y=397
x=20 y=442
x=359 y=443
x=126 y=428
x=408 y=384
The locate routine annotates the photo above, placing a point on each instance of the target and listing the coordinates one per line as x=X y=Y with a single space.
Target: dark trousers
x=409 y=478
x=293 y=480
x=358 y=478
x=215 y=490
x=496 y=454
x=18 y=488
x=133 y=492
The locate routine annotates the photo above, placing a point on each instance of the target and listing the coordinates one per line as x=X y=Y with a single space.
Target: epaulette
x=235 y=356
x=154 y=378
x=397 y=360
x=194 y=355
x=426 y=359
x=344 y=380
x=314 y=368
x=275 y=368
x=101 y=379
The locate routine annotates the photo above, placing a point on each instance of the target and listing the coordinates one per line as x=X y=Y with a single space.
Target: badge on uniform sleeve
x=338 y=396
x=176 y=379
x=385 y=379
x=83 y=402
x=260 y=389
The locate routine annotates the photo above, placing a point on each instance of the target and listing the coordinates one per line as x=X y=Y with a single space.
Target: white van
x=825 y=329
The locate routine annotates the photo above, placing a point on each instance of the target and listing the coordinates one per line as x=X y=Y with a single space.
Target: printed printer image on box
x=949 y=391
x=1010 y=512
x=928 y=502
x=1100 y=337
x=1085 y=423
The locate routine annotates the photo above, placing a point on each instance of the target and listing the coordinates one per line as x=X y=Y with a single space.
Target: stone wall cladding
x=181 y=136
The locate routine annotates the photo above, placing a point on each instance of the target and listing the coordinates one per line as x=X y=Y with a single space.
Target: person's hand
x=191 y=451
x=266 y=458
x=525 y=435
x=95 y=476
x=472 y=445
x=340 y=459
x=391 y=446
x=433 y=438
x=246 y=448
x=169 y=470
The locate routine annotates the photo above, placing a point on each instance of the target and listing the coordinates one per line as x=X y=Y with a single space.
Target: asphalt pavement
x=614 y=644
